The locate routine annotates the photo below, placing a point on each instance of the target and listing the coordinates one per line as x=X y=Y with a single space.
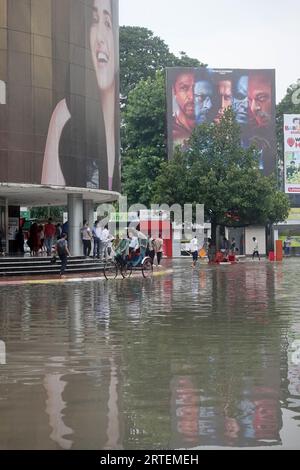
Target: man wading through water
x=63 y=252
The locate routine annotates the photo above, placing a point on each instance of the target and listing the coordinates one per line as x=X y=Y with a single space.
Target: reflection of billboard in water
x=199 y=95
x=59 y=99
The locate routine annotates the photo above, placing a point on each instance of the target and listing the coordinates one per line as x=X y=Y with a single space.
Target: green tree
x=143 y=59
x=43 y=213
x=144 y=143
x=216 y=171
x=145 y=115
x=142 y=54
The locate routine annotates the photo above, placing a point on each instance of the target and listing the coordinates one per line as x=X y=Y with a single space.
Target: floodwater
x=185 y=360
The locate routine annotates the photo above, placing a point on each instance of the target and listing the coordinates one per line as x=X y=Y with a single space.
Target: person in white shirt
x=134 y=241
x=97 y=233
x=86 y=235
x=158 y=249
x=194 y=250
x=105 y=238
x=255 y=248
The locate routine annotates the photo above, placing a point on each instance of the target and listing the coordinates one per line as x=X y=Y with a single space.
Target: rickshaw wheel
x=110 y=270
x=126 y=270
x=147 y=267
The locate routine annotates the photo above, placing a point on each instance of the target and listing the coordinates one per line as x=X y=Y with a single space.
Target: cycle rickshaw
x=126 y=262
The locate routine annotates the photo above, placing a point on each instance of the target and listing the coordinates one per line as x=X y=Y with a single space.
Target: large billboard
x=292 y=153
x=199 y=95
x=59 y=93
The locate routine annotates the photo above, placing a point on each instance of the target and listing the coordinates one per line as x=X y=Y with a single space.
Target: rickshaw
x=126 y=261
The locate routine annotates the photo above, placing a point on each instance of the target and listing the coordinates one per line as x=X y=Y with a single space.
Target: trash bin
x=271 y=256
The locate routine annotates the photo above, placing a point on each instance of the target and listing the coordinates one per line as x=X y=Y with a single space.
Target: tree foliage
x=141 y=168
x=145 y=115
x=142 y=54
x=43 y=213
x=216 y=171
x=143 y=59
x=144 y=144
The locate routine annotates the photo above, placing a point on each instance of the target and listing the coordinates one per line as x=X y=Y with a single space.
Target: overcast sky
x=226 y=33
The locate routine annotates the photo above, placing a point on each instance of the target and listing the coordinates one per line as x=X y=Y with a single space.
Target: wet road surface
x=209 y=357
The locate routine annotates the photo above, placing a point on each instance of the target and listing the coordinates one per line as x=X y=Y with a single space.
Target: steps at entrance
x=29 y=266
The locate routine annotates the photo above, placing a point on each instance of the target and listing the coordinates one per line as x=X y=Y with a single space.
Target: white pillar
x=75 y=219
x=2 y=353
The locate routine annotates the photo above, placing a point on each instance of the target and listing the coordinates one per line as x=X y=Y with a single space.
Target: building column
x=4 y=222
x=88 y=212
x=75 y=219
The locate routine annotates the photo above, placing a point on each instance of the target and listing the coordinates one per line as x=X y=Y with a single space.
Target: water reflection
x=179 y=361
x=55 y=405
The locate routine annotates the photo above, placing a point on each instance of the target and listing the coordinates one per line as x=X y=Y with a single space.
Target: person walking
x=158 y=249
x=255 y=249
x=194 y=248
x=63 y=252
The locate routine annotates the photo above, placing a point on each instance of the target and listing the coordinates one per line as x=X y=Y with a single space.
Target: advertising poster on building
x=292 y=153
x=201 y=95
x=59 y=93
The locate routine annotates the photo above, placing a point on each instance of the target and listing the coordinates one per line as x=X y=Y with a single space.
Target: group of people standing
x=101 y=238
x=42 y=237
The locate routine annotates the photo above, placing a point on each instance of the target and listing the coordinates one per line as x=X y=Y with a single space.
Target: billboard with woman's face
x=199 y=95
x=59 y=93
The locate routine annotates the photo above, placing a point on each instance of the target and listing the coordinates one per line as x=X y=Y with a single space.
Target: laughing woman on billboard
x=83 y=127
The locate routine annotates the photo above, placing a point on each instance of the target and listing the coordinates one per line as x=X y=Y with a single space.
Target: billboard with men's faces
x=200 y=95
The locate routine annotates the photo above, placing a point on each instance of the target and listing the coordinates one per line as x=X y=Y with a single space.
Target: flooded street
x=184 y=360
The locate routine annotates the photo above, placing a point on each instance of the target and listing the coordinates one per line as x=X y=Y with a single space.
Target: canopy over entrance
x=38 y=196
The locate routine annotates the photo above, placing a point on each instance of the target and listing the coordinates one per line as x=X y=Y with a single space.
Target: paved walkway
x=82 y=277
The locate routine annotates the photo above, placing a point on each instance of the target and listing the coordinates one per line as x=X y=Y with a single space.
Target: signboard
x=294 y=214
x=124 y=217
x=292 y=153
x=292 y=241
x=154 y=215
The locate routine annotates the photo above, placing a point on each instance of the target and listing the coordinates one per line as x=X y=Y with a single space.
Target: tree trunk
x=213 y=233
